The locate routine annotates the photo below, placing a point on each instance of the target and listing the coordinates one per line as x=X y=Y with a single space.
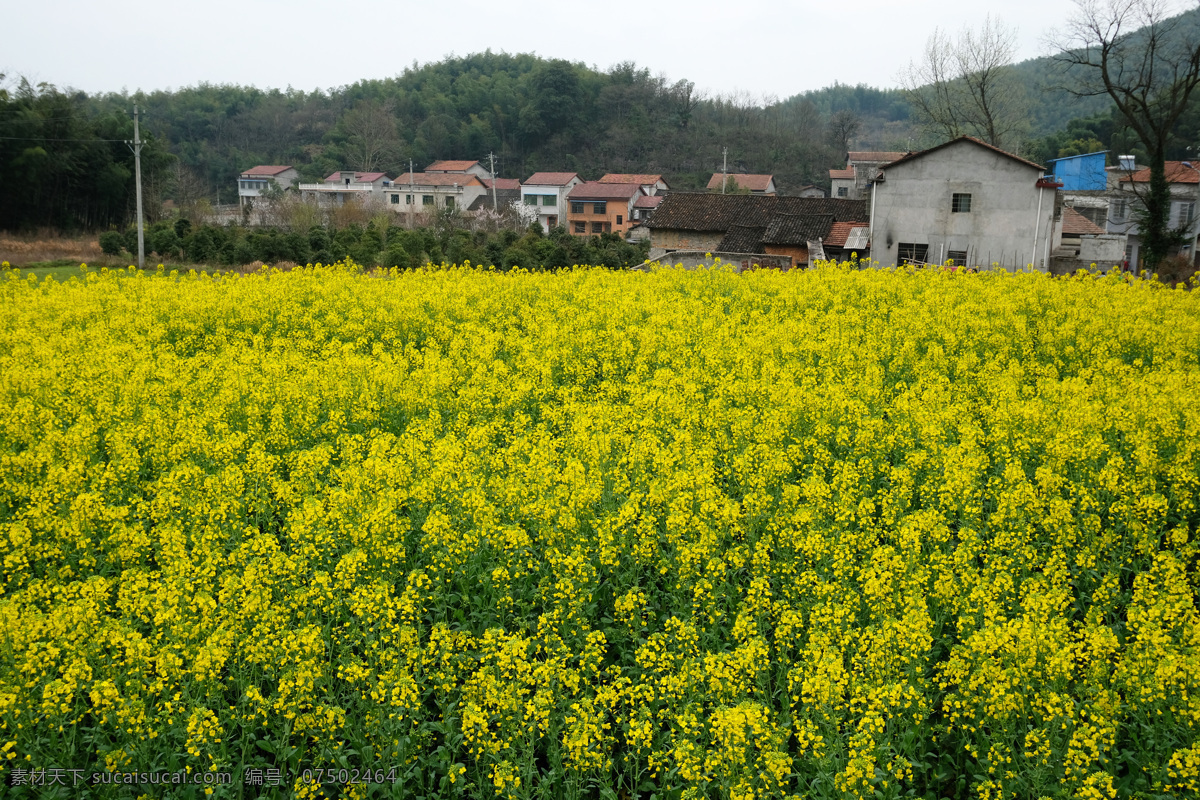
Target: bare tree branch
x=965 y=86
x=1136 y=53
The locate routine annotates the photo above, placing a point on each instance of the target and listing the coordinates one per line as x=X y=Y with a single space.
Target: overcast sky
x=754 y=46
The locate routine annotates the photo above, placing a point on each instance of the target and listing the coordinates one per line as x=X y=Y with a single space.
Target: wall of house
x=913 y=205
x=463 y=199
x=797 y=253
x=558 y=210
x=844 y=183
x=663 y=240
x=614 y=210
x=1081 y=172
x=1104 y=250
x=1181 y=193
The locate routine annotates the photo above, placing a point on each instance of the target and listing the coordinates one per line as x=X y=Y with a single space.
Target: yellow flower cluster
x=837 y=533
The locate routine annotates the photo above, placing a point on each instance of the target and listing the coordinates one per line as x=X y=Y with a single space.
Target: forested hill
x=533 y=114
x=63 y=162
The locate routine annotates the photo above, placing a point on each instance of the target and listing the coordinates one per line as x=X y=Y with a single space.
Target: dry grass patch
x=21 y=249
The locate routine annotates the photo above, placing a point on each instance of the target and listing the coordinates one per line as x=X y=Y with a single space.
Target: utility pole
x=136 y=147
x=412 y=195
x=724 y=168
x=492 y=159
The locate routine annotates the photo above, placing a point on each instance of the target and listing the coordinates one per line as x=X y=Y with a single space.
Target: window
x=408 y=199
x=426 y=199
x=597 y=227
x=906 y=251
x=960 y=203
x=581 y=227
x=1187 y=212
x=395 y=198
x=618 y=219
x=577 y=208
x=449 y=202
x=552 y=221
x=843 y=191
x=600 y=208
x=1120 y=209
x=958 y=257
x=549 y=200
x=531 y=199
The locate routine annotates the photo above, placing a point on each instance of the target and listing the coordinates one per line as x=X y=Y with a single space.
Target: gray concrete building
x=965 y=201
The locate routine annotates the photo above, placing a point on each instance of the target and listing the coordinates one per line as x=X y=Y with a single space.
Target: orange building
x=594 y=207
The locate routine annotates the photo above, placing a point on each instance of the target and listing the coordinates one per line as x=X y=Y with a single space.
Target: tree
x=843 y=126
x=371 y=136
x=1150 y=75
x=966 y=86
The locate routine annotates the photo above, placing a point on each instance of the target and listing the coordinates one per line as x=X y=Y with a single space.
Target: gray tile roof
x=797 y=228
x=742 y=239
x=702 y=211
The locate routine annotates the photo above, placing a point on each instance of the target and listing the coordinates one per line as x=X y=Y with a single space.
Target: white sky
x=754 y=46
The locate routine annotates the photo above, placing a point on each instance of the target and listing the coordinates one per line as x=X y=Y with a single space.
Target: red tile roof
x=840 y=232
x=1076 y=224
x=265 y=170
x=648 y=201
x=617 y=177
x=502 y=183
x=451 y=166
x=595 y=190
x=755 y=183
x=972 y=140
x=437 y=179
x=841 y=174
x=550 y=178
x=359 y=177
x=1176 y=173
x=874 y=156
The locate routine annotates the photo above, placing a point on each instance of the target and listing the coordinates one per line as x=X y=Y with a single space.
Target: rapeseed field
x=831 y=534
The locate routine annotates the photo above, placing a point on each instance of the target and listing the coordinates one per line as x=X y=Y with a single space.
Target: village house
x=650 y=184
x=597 y=207
x=430 y=191
x=963 y=201
x=854 y=182
x=345 y=184
x=842 y=184
x=257 y=181
x=1074 y=227
x=644 y=206
x=796 y=228
x=461 y=168
x=1084 y=172
x=755 y=184
x=1183 y=179
x=506 y=192
x=547 y=192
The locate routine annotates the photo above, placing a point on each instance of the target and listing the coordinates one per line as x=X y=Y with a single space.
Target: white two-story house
x=547 y=192
x=1132 y=185
x=257 y=181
